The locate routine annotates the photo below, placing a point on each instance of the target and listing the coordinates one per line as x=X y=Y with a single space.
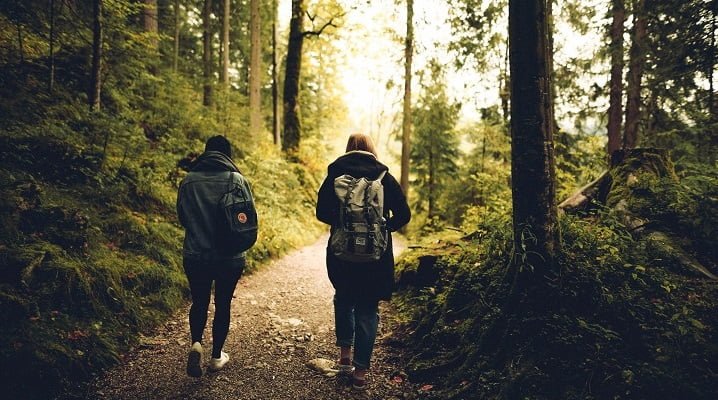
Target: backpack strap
x=381 y=176
x=348 y=212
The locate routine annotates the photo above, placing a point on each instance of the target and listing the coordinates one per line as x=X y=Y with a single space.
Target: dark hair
x=362 y=142
x=219 y=143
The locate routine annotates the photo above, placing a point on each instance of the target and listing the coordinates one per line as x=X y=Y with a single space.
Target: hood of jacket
x=213 y=161
x=357 y=164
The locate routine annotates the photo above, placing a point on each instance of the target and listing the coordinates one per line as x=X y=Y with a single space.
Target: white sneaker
x=215 y=364
x=194 y=360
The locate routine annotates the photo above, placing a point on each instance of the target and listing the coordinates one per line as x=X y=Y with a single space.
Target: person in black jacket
x=210 y=176
x=360 y=286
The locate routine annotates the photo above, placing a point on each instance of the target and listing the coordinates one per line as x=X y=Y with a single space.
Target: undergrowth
x=619 y=321
x=90 y=247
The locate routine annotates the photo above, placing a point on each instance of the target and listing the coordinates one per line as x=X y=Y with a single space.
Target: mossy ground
x=90 y=247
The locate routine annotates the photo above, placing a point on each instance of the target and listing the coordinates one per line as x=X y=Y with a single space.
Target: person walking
x=359 y=286
x=211 y=175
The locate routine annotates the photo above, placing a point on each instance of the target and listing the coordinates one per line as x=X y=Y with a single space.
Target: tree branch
x=327 y=24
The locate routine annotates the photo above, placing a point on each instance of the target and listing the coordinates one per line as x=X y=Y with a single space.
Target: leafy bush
x=616 y=323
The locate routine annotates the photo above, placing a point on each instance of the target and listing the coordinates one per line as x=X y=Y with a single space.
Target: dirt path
x=282 y=317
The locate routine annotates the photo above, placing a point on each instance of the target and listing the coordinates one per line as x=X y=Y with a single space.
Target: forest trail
x=282 y=317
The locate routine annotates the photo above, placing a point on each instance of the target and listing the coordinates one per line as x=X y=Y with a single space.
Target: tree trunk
x=536 y=235
x=615 y=106
x=406 y=122
x=292 y=129
x=275 y=84
x=175 y=56
x=504 y=92
x=20 y=43
x=207 y=52
x=432 y=191
x=711 y=66
x=635 y=74
x=225 y=44
x=95 y=78
x=149 y=22
x=255 y=70
x=51 y=81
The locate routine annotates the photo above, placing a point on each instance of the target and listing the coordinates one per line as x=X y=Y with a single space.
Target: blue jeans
x=356 y=322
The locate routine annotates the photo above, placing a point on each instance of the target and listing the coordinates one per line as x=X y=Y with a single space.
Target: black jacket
x=211 y=176
x=370 y=281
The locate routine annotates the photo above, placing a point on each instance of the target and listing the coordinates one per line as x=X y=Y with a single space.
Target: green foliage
x=617 y=314
x=629 y=311
x=434 y=144
x=90 y=248
x=482 y=187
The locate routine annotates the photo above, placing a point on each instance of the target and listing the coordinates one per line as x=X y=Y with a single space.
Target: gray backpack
x=361 y=234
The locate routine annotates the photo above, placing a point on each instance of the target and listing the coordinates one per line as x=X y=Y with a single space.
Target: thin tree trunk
x=711 y=66
x=406 y=123
x=175 y=56
x=225 y=44
x=20 y=43
x=615 y=106
x=504 y=92
x=150 y=23
x=255 y=70
x=275 y=84
x=96 y=83
x=292 y=128
x=635 y=74
x=207 y=52
x=432 y=172
x=549 y=61
x=51 y=82
x=536 y=238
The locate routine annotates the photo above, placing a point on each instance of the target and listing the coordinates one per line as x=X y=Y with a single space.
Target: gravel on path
x=282 y=317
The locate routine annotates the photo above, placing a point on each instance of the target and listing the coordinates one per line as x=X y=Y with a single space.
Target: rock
x=323 y=365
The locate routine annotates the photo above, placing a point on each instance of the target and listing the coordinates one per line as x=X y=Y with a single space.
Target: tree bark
x=504 y=87
x=149 y=22
x=711 y=66
x=51 y=80
x=406 y=122
x=95 y=78
x=225 y=44
x=536 y=236
x=292 y=128
x=255 y=70
x=615 y=106
x=207 y=52
x=275 y=84
x=175 y=56
x=635 y=74
x=20 y=43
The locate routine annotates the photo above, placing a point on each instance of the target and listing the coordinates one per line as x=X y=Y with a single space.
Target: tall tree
x=532 y=160
x=292 y=126
x=615 y=103
x=207 y=52
x=290 y=138
x=95 y=77
x=435 y=145
x=150 y=22
x=275 y=84
x=225 y=44
x=637 y=58
x=406 y=120
x=175 y=54
x=255 y=70
x=51 y=81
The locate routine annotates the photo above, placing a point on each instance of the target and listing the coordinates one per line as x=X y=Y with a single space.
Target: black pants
x=200 y=275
